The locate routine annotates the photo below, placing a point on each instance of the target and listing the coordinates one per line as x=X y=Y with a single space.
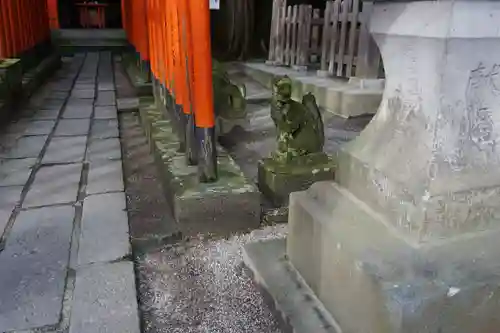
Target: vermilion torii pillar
x=203 y=90
x=23 y=25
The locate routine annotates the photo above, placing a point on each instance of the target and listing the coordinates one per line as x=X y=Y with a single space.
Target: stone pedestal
x=277 y=180
x=11 y=76
x=407 y=238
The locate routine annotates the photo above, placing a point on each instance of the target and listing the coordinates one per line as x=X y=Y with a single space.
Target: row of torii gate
x=171 y=37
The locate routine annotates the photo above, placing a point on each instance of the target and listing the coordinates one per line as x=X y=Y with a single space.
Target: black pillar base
x=207 y=155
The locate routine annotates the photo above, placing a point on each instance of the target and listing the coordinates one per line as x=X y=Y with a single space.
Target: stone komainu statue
x=299 y=125
x=229 y=98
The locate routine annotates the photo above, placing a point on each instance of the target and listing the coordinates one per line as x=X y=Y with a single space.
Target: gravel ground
x=201 y=286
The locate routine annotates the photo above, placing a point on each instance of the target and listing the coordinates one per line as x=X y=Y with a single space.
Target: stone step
x=342 y=97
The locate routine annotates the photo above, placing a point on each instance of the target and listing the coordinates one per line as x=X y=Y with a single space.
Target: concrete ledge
x=293 y=301
x=345 y=98
x=18 y=87
x=228 y=205
x=34 y=78
x=137 y=76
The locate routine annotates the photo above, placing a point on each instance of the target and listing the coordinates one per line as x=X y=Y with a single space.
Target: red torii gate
x=173 y=37
x=23 y=25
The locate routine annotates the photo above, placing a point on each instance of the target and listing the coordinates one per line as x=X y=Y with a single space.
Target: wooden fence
x=335 y=39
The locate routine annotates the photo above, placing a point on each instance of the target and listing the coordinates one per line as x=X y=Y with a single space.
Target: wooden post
x=353 y=30
x=203 y=90
x=288 y=40
x=368 y=57
x=344 y=7
x=293 y=60
x=272 y=33
x=334 y=36
x=315 y=34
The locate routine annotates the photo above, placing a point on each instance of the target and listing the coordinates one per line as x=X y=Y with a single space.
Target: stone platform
x=230 y=204
x=342 y=97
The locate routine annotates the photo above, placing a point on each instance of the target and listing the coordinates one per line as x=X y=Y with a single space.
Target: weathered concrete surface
x=33 y=268
x=105 y=176
x=104 y=229
x=296 y=305
x=105 y=300
x=78 y=110
x=105 y=149
x=16 y=171
x=36 y=127
x=105 y=112
x=104 y=129
x=9 y=198
x=54 y=185
x=407 y=240
x=24 y=147
x=72 y=127
x=65 y=150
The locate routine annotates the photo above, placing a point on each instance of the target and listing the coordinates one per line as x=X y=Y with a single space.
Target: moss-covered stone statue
x=299 y=125
x=229 y=100
x=299 y=160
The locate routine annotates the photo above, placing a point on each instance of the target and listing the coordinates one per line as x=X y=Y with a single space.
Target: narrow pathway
x=65 y=264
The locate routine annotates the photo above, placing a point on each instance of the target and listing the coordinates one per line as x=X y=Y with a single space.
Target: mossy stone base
x=139 y=73
x=228 y=205
x=278 y=179
x=11 y=76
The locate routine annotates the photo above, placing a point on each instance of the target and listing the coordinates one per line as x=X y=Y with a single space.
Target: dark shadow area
x=69 y=15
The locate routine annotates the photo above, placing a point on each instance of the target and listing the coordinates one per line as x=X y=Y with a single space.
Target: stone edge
x=297 y=310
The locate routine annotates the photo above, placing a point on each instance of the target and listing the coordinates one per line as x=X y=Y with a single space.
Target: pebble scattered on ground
x=201 y=286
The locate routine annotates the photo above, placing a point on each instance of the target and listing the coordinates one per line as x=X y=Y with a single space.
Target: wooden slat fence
x=335 y=39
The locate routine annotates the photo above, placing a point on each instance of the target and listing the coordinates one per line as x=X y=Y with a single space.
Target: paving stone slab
x=104 y=149
x=16 y=171
x=72 y=127
x=59 y=94
x=55 y=184
x=45 y=114
x=83 y=94
x=105 y=176
x=104 y=234
x=106 y=86
x=33 y=268
x=105 y=300
x=105 y=98
x=51 y=103
x=24 y=147
x=32 y=127
x=105 y=112
x=78 y=111
x=104 y=129
x=9 y=198
x=65 y=150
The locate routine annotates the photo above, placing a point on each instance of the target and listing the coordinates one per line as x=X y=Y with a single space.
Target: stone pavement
x=65 y=261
